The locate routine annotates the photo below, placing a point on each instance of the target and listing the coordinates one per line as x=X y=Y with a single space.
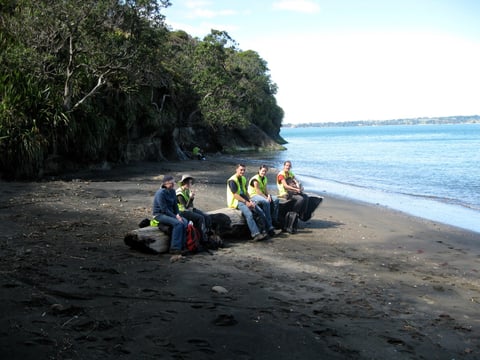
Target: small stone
x=219 y=289
x=57 y=308
x=175 y=258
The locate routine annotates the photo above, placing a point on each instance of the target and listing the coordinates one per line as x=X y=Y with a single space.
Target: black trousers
x=301 y=204
x=200 y=220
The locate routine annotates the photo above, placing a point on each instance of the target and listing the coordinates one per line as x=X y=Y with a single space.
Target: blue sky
x=346 y=60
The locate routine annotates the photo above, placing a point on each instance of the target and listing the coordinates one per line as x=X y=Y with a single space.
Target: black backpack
x=291 y=222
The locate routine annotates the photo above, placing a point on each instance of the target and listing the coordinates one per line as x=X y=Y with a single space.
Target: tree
x=81 y=81
x=219 y=96
x=256 y=90
x=178 y=63
x=73 y=51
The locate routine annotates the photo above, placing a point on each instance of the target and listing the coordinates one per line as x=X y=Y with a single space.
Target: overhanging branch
x=100 y=82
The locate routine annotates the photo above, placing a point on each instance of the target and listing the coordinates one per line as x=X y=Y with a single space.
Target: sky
x=349 y=60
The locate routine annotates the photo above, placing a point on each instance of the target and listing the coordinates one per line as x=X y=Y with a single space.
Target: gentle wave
x=442 y=210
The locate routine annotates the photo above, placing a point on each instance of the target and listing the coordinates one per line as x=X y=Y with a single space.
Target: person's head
x=240 y=170
x=262 y=171
x=287 y=165
x=168 y=182
x=186 y=180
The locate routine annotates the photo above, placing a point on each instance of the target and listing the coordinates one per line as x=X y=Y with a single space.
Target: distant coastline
x=470 y=119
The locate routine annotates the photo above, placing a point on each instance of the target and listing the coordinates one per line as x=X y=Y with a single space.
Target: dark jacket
x=165 y=202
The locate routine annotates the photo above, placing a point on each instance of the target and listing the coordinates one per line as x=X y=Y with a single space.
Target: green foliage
x=25 y=107
x=82 y=80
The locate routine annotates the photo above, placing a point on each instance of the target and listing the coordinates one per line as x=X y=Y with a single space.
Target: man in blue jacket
x=165 y=211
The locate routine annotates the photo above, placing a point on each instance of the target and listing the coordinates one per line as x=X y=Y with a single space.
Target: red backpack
x=193 y=238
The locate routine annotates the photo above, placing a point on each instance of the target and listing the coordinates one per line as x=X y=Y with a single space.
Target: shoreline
x=416 y=206
x=358 y=280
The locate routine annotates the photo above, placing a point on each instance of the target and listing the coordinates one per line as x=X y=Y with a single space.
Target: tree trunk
x=149 y=239
x=226 y=222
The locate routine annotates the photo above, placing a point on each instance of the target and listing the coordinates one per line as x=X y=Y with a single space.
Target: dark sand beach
x=358 y=281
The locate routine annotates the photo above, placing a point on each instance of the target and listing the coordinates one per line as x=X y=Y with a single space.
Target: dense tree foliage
x=84 y=80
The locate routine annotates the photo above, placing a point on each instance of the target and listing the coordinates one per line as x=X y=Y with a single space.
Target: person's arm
x=177 y=212
x=181 y=201
x=266 y=194
x=163 y=205
x=289 y=187
x=156 y=204
x=258 y=191
x=240 y=197
x=190 y=199
x=298 y=184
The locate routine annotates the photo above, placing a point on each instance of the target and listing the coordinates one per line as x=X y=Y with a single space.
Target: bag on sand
x=193 y=238
x=144 y=223
x=291 y=222
x=214 y=241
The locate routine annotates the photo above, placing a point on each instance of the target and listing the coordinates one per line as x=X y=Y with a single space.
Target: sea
x=428 y=171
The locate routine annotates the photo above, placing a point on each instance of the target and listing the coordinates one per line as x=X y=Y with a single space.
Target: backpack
x=291 y=222
x=144 y=223
x=193 y=238
x=214 y=241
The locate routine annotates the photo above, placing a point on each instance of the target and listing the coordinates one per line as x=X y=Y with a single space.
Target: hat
x=167 y=178
x=185 y=178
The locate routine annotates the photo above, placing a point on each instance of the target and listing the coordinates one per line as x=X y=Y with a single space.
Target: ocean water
x=429 y=171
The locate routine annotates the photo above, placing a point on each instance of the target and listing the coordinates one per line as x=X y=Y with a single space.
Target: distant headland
x=471 y=119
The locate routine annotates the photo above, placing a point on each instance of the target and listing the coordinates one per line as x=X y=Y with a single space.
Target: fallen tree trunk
x=231 y=222
x=226 y=222
x=148 y=239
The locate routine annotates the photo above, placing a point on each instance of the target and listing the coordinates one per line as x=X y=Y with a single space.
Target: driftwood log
x=148 y=239
x=230 y=222
x=226 y=222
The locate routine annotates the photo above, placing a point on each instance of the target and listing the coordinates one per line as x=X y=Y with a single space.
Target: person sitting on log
x=165 y=211
x=258 y=192
x=290 y=188
x=185 y=196
x=237 y=198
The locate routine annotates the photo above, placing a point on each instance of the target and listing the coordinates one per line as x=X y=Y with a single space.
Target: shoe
x=259 y=237
x=178 y=252
x=273 y=232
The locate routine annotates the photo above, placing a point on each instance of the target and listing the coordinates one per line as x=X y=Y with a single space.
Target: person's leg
x=304 y=208
x=265 y=206
x=178 y=230
x=298 y=203
x=197 y=219
x=249 y=219
x=206 y=218
x=274 y=206
x=301 y=202
x=261 y=221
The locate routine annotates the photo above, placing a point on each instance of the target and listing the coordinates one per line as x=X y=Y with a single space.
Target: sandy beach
x=358 y=281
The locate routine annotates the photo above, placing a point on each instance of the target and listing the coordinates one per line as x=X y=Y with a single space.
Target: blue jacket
x=165 y=202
